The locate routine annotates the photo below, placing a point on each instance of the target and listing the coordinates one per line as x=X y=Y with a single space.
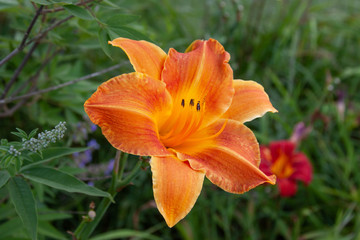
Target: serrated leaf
x=32 y=133
x=120 y=19
x=78 y=12
x=4 y=177
x=21 y=131
x=62 y=181
x=24 y=202
x=49 y=154
x=18 y=134
x=103 y=40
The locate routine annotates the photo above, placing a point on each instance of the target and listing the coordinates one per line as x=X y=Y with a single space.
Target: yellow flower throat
x=185 y=120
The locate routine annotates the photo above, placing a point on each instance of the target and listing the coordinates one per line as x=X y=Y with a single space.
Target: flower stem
x=85 y=229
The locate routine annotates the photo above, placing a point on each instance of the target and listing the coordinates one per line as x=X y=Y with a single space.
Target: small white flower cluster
x=13 y=151
x=45 y=138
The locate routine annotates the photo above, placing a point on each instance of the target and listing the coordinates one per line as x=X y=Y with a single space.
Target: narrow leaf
x=21 y=131
x=42 y=2
x=103 y=40
x=11 y=227
x=120 y=19
x=4 y=177
x=18 y=134
x=63 y=181
x=33 y=132
x=49 y=154
x=50 y=231
x=78 y=12
x=23 y=200
x=124 y=233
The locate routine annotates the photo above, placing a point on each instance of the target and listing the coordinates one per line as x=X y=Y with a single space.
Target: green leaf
x=103 y=40
x=120 y=19
x=23 y=200
x=63 y=181
x=127 y=32
x=124 y=233
x=4 y=177
x=43 y=2
x=111 y=4
x=4 y=142
x=50 y=231
x=50 y=154
x=32 y=133
x=23 y=133
x=11 y=227
x=65 y=1
x=78 y=12
x=17 y=134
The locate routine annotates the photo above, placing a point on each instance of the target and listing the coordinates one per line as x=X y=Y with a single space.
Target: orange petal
x=250 y=101
x=128 y=108
x=176 y=187
x=145 y=57
x=230 y=160
x=202 y=76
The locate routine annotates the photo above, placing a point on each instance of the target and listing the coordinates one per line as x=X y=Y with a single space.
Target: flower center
x=282 y=167
x=186 y=118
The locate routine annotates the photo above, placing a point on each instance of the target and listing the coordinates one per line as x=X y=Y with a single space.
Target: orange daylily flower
x=187 y=113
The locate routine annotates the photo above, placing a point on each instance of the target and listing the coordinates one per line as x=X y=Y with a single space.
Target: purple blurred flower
x=300 y=132
x=340 y=103
x=91 y=183
x=93 y=127
x=110 y=167
x=83 y=158
x=93 y=144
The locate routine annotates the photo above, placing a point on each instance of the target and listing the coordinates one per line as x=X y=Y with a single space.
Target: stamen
x=198 y=106
x=192 y=102
x=183 y=123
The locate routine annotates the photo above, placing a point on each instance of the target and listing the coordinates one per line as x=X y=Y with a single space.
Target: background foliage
x=305 y=53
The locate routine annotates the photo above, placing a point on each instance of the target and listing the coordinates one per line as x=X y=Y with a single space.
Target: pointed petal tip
x=117 y=41
x=170 y=221
x=271 y=179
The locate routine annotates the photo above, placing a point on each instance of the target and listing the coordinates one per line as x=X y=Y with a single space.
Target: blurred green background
x=305 y=53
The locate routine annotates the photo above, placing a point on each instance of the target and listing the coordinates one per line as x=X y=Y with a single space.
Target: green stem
x=86 y=229
x=131 y=175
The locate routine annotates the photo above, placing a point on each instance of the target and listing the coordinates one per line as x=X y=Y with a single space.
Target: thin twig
x=18 y=70
x=36 y=38
x=22 y=44
x=11 y=111
x=36 y=75
x=43 y=33
x=7 y=100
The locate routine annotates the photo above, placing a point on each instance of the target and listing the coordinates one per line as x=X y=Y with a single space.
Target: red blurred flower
x=281 y=159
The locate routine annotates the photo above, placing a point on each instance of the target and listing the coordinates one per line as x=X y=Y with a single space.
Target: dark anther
x=192 y=102
x=183 y=103
x=198 y=106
